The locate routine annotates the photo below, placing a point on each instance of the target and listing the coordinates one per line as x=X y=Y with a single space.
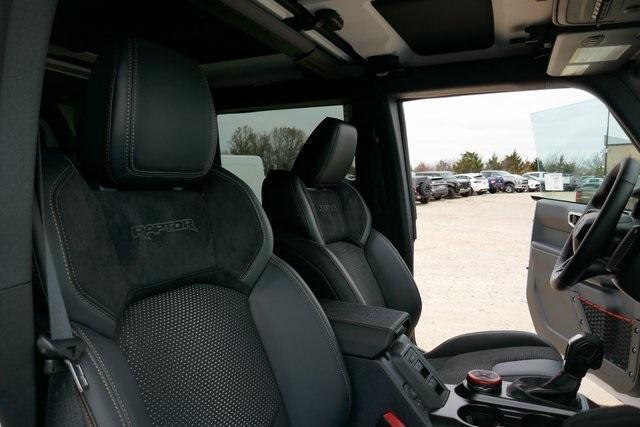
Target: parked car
x=585 y=191
x=439 y=188
x=456 y=185
x=532 y=184
x=425 y=188
x=479 y=184
x=496 y=183
x=593 y=180
x=421 y=188
x=538 y=176
x=583 y=179
x=511 y=182
x=569 y=182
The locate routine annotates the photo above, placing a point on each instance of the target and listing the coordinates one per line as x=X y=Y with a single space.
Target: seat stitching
x=395 y=253
x=134 y=60
x=334 y=143
x=128 y=109
x=106 y=371
x=132 y=90
x=100 y=374
x=299 y=209
x=307 y=204
x=227 y=178
x=304 y=260
x=366 y=210
x=110 y=115
x=54 y=193
x=211 y=126
x=328 y=331
x=134 y=99
x=336 y=262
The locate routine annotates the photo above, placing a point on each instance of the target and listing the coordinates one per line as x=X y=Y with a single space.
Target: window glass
x=582 y=141
x=251 y=144
x=565 y=139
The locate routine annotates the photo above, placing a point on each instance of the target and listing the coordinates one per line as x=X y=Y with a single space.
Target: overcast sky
x=443 y=128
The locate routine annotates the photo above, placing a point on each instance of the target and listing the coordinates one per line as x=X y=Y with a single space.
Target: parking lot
x=476 y=249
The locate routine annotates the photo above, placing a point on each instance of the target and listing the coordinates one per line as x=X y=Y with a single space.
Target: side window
x=577 y=144
x=253 y=143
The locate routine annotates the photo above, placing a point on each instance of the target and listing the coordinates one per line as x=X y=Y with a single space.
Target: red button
x=484 y=378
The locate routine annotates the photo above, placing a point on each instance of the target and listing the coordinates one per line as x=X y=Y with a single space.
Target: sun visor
x=592 y=52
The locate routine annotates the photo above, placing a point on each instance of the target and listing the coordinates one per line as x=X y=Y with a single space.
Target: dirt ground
x=477 y=248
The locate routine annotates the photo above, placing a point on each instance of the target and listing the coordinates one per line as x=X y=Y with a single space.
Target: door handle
x=572 y=218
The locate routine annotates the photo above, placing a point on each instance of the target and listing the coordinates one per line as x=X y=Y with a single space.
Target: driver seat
x=323 y=228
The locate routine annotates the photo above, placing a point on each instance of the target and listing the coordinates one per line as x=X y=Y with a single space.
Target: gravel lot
x=477 y=248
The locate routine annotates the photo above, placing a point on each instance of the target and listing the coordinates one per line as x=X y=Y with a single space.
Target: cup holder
x=480 y=415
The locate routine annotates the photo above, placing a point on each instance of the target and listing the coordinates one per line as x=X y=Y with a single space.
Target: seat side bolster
x=394 y=278
x=285 y=201
x=301 y=347
x=323 y=271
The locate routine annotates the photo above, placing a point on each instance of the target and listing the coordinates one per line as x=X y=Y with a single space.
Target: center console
x=394 y=384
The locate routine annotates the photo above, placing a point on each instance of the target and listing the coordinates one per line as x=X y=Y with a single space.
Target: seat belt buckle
x=65 y=351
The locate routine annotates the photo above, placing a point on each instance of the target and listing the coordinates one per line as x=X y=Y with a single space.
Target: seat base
x=512 y=354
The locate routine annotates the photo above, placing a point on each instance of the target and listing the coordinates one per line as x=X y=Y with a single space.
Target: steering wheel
x=594 y=231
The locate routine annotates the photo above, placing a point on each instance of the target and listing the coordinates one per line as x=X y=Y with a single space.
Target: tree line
x=277 y=148
x=471 y=161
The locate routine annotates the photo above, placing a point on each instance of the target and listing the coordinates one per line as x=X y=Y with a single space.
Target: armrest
x=365 y=331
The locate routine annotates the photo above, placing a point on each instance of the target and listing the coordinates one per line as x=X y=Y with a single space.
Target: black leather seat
x=323 y=229
x=167 y=272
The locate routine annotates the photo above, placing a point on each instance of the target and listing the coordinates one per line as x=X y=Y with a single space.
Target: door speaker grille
x=615 y=331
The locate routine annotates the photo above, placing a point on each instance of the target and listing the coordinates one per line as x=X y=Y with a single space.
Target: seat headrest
x=148 y=121
x=327 y=155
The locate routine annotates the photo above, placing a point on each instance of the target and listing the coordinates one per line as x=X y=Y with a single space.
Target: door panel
x=594 y=306
x=551 y=311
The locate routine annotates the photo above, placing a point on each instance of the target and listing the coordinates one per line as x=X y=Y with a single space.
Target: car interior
x=143 y=283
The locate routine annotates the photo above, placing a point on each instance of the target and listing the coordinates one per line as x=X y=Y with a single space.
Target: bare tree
x=443 y=165
x=285 y=143
x=421 y=167
x=278 y=148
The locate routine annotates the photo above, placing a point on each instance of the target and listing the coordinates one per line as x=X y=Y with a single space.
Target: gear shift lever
x=583 y=352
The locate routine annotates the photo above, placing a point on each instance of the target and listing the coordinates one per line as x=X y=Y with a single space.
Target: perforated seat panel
x=198 y=360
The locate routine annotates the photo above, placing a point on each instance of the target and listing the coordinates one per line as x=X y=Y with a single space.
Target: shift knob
x=583 y=352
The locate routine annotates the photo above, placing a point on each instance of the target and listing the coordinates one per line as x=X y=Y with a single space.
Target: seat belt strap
x=60 y=345
x=59 y=325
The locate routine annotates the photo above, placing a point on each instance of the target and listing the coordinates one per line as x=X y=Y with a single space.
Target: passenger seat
x=322 y=227
x=165 y=267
